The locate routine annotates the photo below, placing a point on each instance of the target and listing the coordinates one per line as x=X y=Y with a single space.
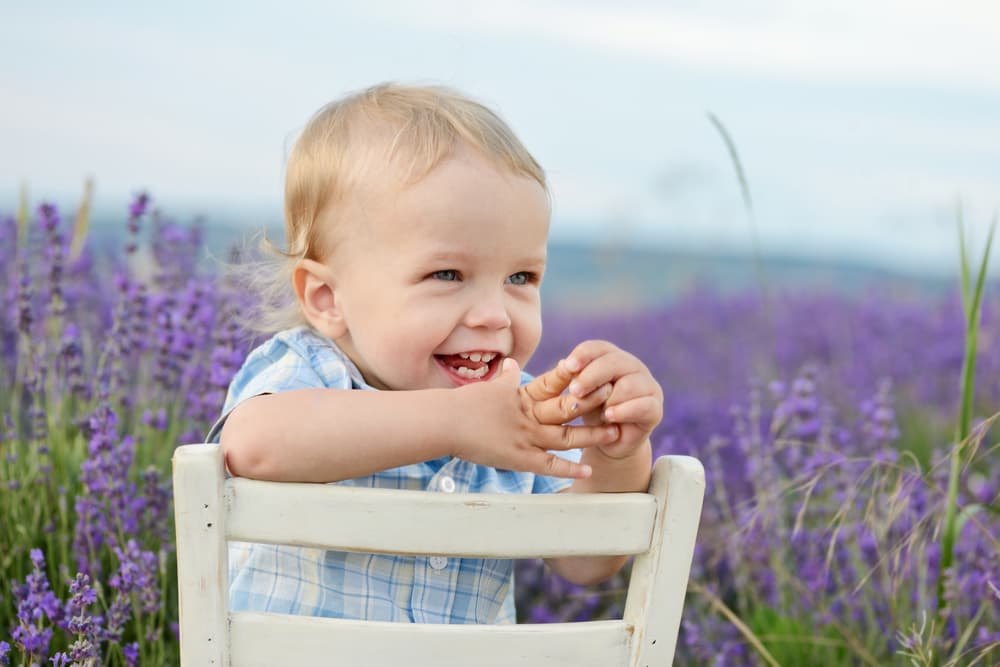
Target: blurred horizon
x=241 y=222
x=608 y=275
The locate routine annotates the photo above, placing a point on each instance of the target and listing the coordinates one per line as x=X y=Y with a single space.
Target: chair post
x=202 y=562
x=659 y=580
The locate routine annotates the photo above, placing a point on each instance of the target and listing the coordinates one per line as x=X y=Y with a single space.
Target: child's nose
x=488 y=311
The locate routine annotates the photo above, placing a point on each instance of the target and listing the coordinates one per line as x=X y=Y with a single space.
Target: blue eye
x=447 y=274
x=520 y=278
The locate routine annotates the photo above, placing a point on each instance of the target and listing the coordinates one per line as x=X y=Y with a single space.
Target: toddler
x=416 y=230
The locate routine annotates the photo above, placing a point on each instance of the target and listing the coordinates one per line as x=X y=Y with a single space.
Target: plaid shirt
x=317 y=582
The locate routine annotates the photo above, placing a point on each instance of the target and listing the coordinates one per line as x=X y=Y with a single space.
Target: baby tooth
x=475 y=356
x=470 y=373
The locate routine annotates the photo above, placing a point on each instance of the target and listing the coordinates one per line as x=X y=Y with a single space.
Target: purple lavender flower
x=119 y=614
x=156 y=503
x=25 y=307
x=137 y=574
x=157 y=420
x=109 y=505
x=61 y=659
x=80 y=622
x=37 y=419
x=131 y=653
x=37 y=606
x=70 y=363
x=136 y=210
x=798 y=415
x=55 y=252
x=879 y=425
x=138 y=206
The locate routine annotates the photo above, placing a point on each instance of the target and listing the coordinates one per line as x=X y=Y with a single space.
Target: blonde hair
x=410 y=127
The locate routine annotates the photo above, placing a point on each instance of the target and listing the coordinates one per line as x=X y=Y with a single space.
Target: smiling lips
x=469 y=366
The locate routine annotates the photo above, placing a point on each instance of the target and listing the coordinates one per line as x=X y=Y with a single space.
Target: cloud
x=917 y=42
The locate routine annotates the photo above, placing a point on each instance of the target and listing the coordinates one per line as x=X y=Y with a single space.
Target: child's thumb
x=510 y=372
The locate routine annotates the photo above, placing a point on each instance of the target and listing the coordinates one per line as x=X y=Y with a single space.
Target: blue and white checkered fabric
x=296 y=580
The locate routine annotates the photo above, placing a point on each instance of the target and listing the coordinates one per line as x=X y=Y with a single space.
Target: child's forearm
x=327 y=435
x=627 y=474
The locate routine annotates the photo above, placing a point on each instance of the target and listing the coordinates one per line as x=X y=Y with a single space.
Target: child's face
x=438 y=281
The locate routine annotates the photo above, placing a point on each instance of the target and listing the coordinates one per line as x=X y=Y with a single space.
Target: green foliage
x=792 y=641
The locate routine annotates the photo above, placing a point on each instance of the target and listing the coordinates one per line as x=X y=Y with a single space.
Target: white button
x=438 y=562
x=447 y=485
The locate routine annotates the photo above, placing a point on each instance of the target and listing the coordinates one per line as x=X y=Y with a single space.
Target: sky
x=862 y=126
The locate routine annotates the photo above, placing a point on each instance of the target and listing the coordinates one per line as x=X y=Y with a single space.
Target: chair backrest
x=659 y=527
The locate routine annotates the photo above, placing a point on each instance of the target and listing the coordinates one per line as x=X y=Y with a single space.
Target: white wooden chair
x=659 y=527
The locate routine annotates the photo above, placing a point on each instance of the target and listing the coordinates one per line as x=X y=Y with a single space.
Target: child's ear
x=316 y=293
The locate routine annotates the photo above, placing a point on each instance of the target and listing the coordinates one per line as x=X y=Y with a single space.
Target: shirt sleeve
x=285 y=362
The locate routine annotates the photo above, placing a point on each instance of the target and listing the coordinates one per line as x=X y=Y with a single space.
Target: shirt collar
x=357 y=380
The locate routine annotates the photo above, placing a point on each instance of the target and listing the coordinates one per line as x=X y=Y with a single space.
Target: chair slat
x=202 y=560
x=418 y=522
x=655 y=600
x=265 y=640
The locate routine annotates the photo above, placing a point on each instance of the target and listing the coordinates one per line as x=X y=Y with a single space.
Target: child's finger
x=586 y=352
x=641 y=410
x=634 y=385
x=576 y=437
x=510 y=372
x=566 y=407
x=603 y=369
x=549 y=384
x=547 y=463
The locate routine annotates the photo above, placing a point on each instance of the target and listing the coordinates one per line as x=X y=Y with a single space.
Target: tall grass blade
x=972 y=330
x=81 y=224
x=972 y=305
x=731 y=616
x=964 y=262
x=963 y=639
x=734 y=157
x=23 y=216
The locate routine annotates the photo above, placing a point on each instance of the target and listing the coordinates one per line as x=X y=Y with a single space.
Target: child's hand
x=513 y=427
x=635 y=402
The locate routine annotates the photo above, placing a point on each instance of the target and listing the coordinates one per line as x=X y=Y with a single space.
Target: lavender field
x=850 y=518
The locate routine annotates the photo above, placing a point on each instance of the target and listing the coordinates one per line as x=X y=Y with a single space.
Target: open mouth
x=466 y=367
